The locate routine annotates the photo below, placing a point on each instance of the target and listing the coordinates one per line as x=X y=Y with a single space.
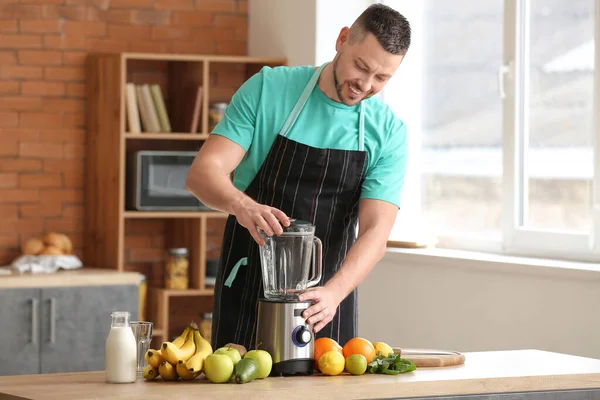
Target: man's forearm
x=214 y=190
x=364 y=254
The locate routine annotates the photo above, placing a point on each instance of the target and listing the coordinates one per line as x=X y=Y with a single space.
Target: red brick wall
x=145 y=252
x=43 y=45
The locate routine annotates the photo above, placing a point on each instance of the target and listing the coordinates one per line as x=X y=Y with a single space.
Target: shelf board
x=174 y=214
x=157 y=332
x=167 y=136
x=183 y=293
x=203 y=57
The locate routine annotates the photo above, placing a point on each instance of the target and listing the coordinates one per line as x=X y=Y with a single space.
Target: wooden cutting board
x=423 y=359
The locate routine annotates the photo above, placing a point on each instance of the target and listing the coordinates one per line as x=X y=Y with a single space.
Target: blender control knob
x=303 y=335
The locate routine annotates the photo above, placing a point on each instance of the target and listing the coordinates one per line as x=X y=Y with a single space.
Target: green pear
x=264 y=361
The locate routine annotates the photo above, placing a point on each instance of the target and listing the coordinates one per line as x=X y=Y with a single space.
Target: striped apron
x=322 y=186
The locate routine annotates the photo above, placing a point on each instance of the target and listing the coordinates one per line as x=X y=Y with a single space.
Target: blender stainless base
x=283 y=332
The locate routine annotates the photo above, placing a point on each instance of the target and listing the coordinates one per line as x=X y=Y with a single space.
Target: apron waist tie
x=234 y=271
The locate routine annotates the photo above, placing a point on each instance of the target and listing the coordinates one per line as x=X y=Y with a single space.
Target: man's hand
x=209 y=179
x=253 y=215
x=325 y=302
x=375 y=220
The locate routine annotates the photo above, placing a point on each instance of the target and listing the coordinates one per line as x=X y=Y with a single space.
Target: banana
x=153 y=358
x=181 y=339
x=203 y=350
x=167 y=371
x=150 y=372
x=172 y=354
x=183 y=372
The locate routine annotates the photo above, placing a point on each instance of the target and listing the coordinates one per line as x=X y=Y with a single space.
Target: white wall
x=304 y=31
x=403 y=93
x=427 y=302
x=332 y=16
x=283 y=28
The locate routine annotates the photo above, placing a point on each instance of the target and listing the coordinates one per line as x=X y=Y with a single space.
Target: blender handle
x=318 y=260
x=283 y=270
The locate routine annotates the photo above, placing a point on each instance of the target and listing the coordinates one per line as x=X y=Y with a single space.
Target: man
x=311 y=144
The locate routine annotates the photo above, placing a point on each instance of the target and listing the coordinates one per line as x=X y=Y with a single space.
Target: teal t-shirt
x=260 y=107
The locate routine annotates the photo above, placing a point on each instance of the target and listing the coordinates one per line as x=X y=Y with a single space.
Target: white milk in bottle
x=121 y=350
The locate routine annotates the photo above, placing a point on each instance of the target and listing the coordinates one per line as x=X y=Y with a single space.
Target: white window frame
x=514 y=238
x=596 y=137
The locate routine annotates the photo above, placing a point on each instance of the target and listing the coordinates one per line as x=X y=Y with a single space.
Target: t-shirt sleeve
x=240 y=115
x=385 y=179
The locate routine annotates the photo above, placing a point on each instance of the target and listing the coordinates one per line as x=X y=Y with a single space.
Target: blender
x=286 y=261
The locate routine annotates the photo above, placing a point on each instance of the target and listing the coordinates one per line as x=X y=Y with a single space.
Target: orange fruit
x=322 y=346
x=359 y=345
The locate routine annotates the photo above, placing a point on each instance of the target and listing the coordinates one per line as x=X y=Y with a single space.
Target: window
x=499 y=100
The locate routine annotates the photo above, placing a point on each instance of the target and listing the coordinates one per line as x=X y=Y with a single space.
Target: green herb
x=392 y=364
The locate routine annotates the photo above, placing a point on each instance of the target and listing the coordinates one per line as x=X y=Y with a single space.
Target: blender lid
x=298 y=222
x=298 y=226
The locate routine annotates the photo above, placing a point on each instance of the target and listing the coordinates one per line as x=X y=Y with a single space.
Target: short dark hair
x=391 y=28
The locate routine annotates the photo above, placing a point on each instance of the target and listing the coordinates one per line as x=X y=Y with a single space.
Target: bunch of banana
x=203 y=349
x=172 y=353
x=182 y=358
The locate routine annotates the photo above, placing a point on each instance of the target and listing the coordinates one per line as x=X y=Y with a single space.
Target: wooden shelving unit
x=173 y=214
x=108 y=144
x=166 y=136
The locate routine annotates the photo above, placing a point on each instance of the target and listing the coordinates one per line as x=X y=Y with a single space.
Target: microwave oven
x=156 y=181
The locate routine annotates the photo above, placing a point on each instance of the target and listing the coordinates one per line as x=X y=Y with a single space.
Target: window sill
x=492 y=262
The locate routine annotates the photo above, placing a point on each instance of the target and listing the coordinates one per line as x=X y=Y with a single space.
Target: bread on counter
x=52 y=243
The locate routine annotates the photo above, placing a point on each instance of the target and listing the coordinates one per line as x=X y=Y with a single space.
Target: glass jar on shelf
x=206 y=326
x=177 y=265
x=216 y=113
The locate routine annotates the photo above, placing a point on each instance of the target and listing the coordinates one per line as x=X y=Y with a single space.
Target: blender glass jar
x=286 y=261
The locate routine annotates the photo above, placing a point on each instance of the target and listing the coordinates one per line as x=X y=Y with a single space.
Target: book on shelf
x=146 y=110
x=161 y=109
x=197 y=109
x=133 y=113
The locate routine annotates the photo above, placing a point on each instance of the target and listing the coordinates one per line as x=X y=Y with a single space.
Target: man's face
x=361 y=69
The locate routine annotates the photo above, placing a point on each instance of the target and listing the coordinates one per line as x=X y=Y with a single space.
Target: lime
x=356 y=364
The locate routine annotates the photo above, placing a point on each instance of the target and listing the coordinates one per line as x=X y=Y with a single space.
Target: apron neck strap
x=291 y=119
x=361 y=127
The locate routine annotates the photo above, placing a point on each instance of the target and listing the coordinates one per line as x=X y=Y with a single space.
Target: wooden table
x=532 y=373
x=529 y=372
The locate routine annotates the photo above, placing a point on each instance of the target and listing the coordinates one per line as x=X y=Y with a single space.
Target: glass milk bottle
x=121 y=350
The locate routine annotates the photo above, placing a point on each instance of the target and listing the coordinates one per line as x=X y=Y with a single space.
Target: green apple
x=238 y=347
x=218 y=368
x=264 y=360
x=230 y=352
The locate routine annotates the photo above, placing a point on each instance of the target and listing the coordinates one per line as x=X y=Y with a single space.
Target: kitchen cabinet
x=19 y=332
x=59 y=329
x=76 y=324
